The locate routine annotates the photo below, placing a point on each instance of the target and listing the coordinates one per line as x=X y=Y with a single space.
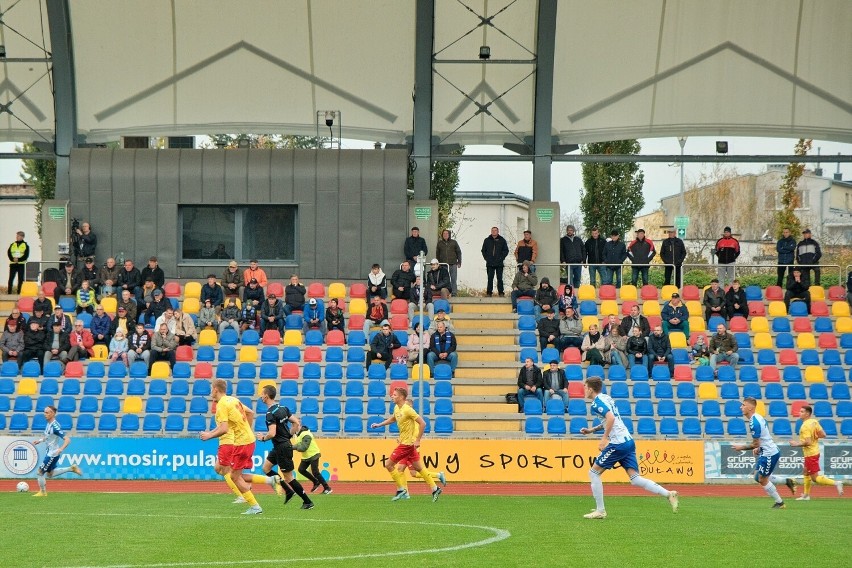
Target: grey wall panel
x=187 y=186
x=327 y=184
x=236 y=164
x=100 y=207
x=349 y=211
x=167 y=243
x=258 y=186
x=212 y=176
x=145 y=202
x=304 y=194
x=122 y=212
x=281 y=177
x=372 y=202
x=395 y=178
x=168 y=179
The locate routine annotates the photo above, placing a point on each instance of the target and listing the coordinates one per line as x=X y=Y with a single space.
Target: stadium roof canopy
x=638 y=69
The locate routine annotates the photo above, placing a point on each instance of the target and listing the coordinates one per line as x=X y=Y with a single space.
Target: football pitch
x=185 y=530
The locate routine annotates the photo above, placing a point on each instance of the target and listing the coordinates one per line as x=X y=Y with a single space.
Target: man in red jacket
x=81 y=342
x=727 y=250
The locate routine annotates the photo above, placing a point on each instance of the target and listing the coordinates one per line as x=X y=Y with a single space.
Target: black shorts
x=282 y=456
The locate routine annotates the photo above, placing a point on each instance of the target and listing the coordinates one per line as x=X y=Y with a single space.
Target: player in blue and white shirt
x=617 y=447
x=56 y=442
x=766 y=451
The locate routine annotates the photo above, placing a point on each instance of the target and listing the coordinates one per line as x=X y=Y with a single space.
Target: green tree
x=791 y=197
x=443 y=185
x=267 y=141
x=612 y=192
x=41 y=174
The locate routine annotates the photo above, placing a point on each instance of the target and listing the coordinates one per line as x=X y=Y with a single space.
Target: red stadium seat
x=819 y=309
x=335 y=337
x=683 y=373
x=571 y=356
x=576 y=389
x=691 y=292
x=836 y=294
x=774 y=293
x=184 y=353
x=626 y=306
x=203 y=371
x=74 y=369
x=399 y=306
x=398 y=384
x=738 y=323
x=312 y=354
x=356 y=322
x=788 y=357
x=316 y=290
x=399 y=323
x=770 y=374
x=358 y=290
x=401 y=354
x=290 y=371
x=49 y=287
x=607 y=292
x=271 y=337
x=827 y=341
x=25 y=304
x=275 y=288
x=172 y=289
x=797 y=406
x=649 y=292
x=802 y=325
x=561 y=290
x=654 y=321
x=756 y=308
x=693 y=338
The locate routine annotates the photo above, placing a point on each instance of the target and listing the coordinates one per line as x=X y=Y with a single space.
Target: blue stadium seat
x=331 y=425
x=809 y=357
x=710 y=408
x=23 y=404
x=746 y=357
x=532 y=406
x=333 y=387
x=19 y=422
x=71 y=386
x=174 y=423
x=9 y=369
x=354 y=371
x=84 y=317
x=310 y=405
x=660 y=373
x=736 y=427
x=685 y=391
x=831 y=357
x=95 y=370
x=528 y=339
x=533 y=424
x=417 y=386
x=798 y=309
x=664 y=408
x=313 y=337
x=591 y=370
x=245 y=387
x=443 y=425
x=48 y=386
x=641 y=390
x=113 y=387
x=840 y=391
x=796 y=391
x=227 y=353
x=152 y=423
x=331 y=406
x=526 y=307
x=624 y=407
x=107 y=423
x=354 y=406
x=229 y=336
x=356 y=355
x=681 y=356
x=442 y=305
x=781 y=325
x=376 y=388
x=353 y=425
x=785 y=341
x=576 y=424
x=311 y=371
x=136 y=387
x=68 y=304
x=726 y=374
x=781 y=427
x=310 y=388
x=663 y=391
x=704 y=374
x=196 y=423
x=401 y=336
x=729 y=391
x=639 y=373
x=773 y=391
x=588 y=308
x=732 y=408
x=225 y=371
x=617 y=373
x=377 y=371
x=85 y=423
x=646 y=427
x=823 y=325
x=67 y=404
x=268 y=371
x=529 y=352
x=748 y=374
x=619 y=390
x=181 y=370
x=198 y=405
x=88 y=404
x=376 y=405
x=690 y=408
x=766 y=357
x=715 y=321
x=691 y=427
x=205 y=353
x=556 y=426
x=53 y=369
x=669 y=427
x=356 y=338
x=526 y=323
x=139 y=370
x=822 y=409
x=416 y=320
x=792 y=375
x=250 y=337
x=130 y=423
x=828 y=426
x=753 y=293
x=292 y=354
x=644 y=408
x=111 y=404
x=269 y=354
x=334 y=354
x=752 y=390
x=743 y=340
x=844 y=409
x=290 y=403
x=444 y=407
x=354 y=388
x=398 y=371
x=575 y=373
x=247 y=371
x=201 y=387
x=577 y=407
x=714 y=427
x=293 y=321
x=777 y=409
x=554 y=407
x=818 y=392
x=176 y=405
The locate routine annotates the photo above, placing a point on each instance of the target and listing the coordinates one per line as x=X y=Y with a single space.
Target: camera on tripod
x=75 y=224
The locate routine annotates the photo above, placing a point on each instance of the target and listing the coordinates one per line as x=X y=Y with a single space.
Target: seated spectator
x=167 y=318
x=148 y=288
x=376 y=283
x=294 y=296
x=334 y=318
x=618 y=351
x=139 y=345
x=85 y=299
x=213 y=292
x=128 y=303
x=37 y=342
x=12 y=341
x=90 y=272
x=253 y=294
x=798 y=288
x=313 y=317
x=382 y=346
x=611 y=324
x=554 y=384
x=154 y=272
x=254 y=272
x=442 y=348
x=58 y=346
x=232 y=280
x=155 y=308
x=529 y=383
x=441 y=317
x=82 y=342
x=438 y=280
x=675 y=316
x=736 y=303
x=41 y=318
x=634 y=320
x=545 y=298
x=230 y=316
x=60 y=317
x=69 y=282
x=660 y=350
x=207 y=318
x=249 y=317
x=414 y=299
x=377 y=314
x=714 y=301
x=130 y=279
x=418 y=341
x=118 y=348
x=108 y=279
x=548 y=330
x=700 y=354
x=567 y=298
x=596 y=347
x=185 y=331
x=123 y=322
x=570 y=330
x=15 y=315
x=723 y=347
x=100 y=326
x=637 y=349
x=272 y=314
x=42 y=303
x=523 y=286
x=401 y=281
x=163 y=346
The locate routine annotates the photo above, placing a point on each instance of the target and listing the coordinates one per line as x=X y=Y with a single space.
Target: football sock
x=399 y=478
x=307 y=475
x=233 y=486
x=61 y=471
x=249 y=497
x=777 y=479
x=772 y=492
x=597 y=489
x=823 y=480
x=427 y=477
x=807 y=485
x=261 y=479
x=42 y=483
x=648 y=485
x=300 y=491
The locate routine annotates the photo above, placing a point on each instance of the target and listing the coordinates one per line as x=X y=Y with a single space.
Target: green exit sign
x=56 y=213
x=681 y=233
x=544 y=215
x=422 y=213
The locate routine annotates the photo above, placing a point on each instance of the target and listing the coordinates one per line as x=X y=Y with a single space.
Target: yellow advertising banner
x=512 y=460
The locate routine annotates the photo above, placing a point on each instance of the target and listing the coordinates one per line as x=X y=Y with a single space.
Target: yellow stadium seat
x=27 y=386
x=29 y=289
x=109 y=305
x=814 y=375
x=843 y=325
x=264 y=383
x=806 y=341
x=651 y=308
x=415 y=372
x=133 y=404
x=697 y=323
x=609 y=308
x=248 y=354
x=694 y=308
x=817 y=293
x=762 y=340
x=192 y=290
x=760 y=408
x=677 y=339
x=667 y=291
x=759 y=324
x=337 y=290
x=160 y=370
x=777 y=309
x=207 y=337
x=708 y=391
x=293 y=337
x=590 y=320
x=628 y=292
x=587 y=292
x=357 y=307
x=100 y=353
x=840 y=309
x=191 y=306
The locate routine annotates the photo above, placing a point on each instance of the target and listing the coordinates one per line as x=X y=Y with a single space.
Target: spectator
x=526 y=250
x=59 y=316
x=254 y=272
x=449 y=252
x=18 y=253
x=495 y=249
x=595 y=257
x=723 y=347
x=637 y=349
x=401 y=281
x=545 y=298
x=230 y=316
x=714 y=301
x=699 y=353
x=213 y=292
x=849 y=288
x=414 y=245
x=163 y=346
x=81 y=342
x=418 y=341
x=253 y=294
x=618 y=352
x=139 y=345
x=122 y=322
x=786 y=249
x=615 y=253
x=58 y=346
x=294 y=295
x=442 y=348
x=414 y=299
x=438 y=280
x=554 y=384
x=441 y=317
x=523 y=286
x=596 y=347
x=727 y=250
x=232 y=280
x=673 y=251
x=167 y=318
x=382 y=346
x=611 y=324
x=37 y=342
x=675 y=316
x=69 y=282
x=334 y=318
x=40 y=317
x=15 y=315
x=570 y=330
x=118 y=348
x=377 y=314
x=207 y=318
x=108 y=278
x=85 y=299
x=41 y=303
x=572 y=255
x=250 y=316
x=130 y=279
x=90 y=273
x=100 y=326
x=313 y=317
x=798 y=288
x=808 y=254
x=634 y=320
x=12 y=341
x=736 y=303
x=660 y=350
x=567 y=298
x=641 y=251
x=548 y=329
x=220 y=252
x=87 y=241
x=376 y=283
x=272 y=314
x=128 y=303
x=156 y=308
x=147 y=296
x=154 y=272
x=530 y=383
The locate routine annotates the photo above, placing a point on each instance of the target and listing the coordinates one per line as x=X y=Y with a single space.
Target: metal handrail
x=621 y=266
x=735 y=265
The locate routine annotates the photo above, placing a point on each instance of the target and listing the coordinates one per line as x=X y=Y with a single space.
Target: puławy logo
x=20 y=457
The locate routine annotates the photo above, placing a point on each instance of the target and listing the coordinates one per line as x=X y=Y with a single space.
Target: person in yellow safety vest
x=18 y=253
x=306 y=443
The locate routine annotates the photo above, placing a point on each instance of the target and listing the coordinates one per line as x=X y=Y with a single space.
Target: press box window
x=265 y=232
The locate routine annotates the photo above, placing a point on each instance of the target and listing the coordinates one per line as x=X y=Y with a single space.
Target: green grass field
x=99 y=530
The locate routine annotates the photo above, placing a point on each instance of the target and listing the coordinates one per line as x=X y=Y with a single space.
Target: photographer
x=86 y=241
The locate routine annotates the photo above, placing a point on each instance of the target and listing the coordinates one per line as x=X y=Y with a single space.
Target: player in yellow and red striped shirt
x=809 y=435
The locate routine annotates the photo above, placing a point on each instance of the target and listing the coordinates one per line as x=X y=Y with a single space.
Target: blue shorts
x=48 y=464
x=624 y=454
x=766 y=465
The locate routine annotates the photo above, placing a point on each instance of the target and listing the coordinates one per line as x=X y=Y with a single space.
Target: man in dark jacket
x=100 y=326
x=401 y=281
x=294 y=296
x=660 y=350
x=253 y=294
x=675 y=316
x=553 y=384
x=714 y=301
x=736 y=303
x=615 y=253
x=786 y=249
x=442 y=347
x=59 y=344
x=545 y=297
x=529 y=383
x=213 y=292
x=798 y=287
x=69 y=282
x=272 y=314
x=495 y=249
x=572 y=254
x=635 y=319
x=438 y=280
x=414 y=244
x=595 y=257
x=36 y=344
x=382 y=346
x=548 y=329
x=449 y=252
x=155 y=273
x=641 y=251
x=129 y=278
x=727 y=250
x=808 y=254
x=673 y=251
x=157 y=307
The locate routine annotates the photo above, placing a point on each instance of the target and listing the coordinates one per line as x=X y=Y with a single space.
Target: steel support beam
x=65 y=93
x=543 y=125
x=422 y=142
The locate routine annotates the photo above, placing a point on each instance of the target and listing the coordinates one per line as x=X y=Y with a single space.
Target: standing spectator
x=85 y=299
x=130 y=279
x=808 y=254
x=572 y=255
x=442 y=348
x=554 y=384
x=382 y=346
x=272 y=314
x=108 y=278
x=376 y=283
x=213 y=292
x=12 y=341
x=633 y=321
x=723 y=347
x=438 y=280
x=81 y=342
x=548 y=329
x=253 y=294
x=596 y=347
x=414 y=245
x=88 y=241
x=185 y=331
x=530 y=383
x=118 y=348
x=640 y=252
x=660 y=350
x=139 y=345
x=163 y=347
x=595 y=257
x=545 y=298
x=570 y=330
x=727 y=250
x=254 y=272
x=230 y=316
x=207 y=318
x=675 y=316
x=100 y=326
x=673 y=251
x=714 y=301
x=377 y=314
x=401 y=281
x=418 y=341
x=154 y=272
x=495 y=249
x=69 y=282
x=736 y=303
x=313 y=317
x=786 y=249
x=18 y=253
x=523 y=285
x=637 y=349
x=615 y=253
x=36 y=344
x=526 y=250
x=294 y=296
x=798 y=288
x=449 y=252
x=334 y=318
x=232 y=280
